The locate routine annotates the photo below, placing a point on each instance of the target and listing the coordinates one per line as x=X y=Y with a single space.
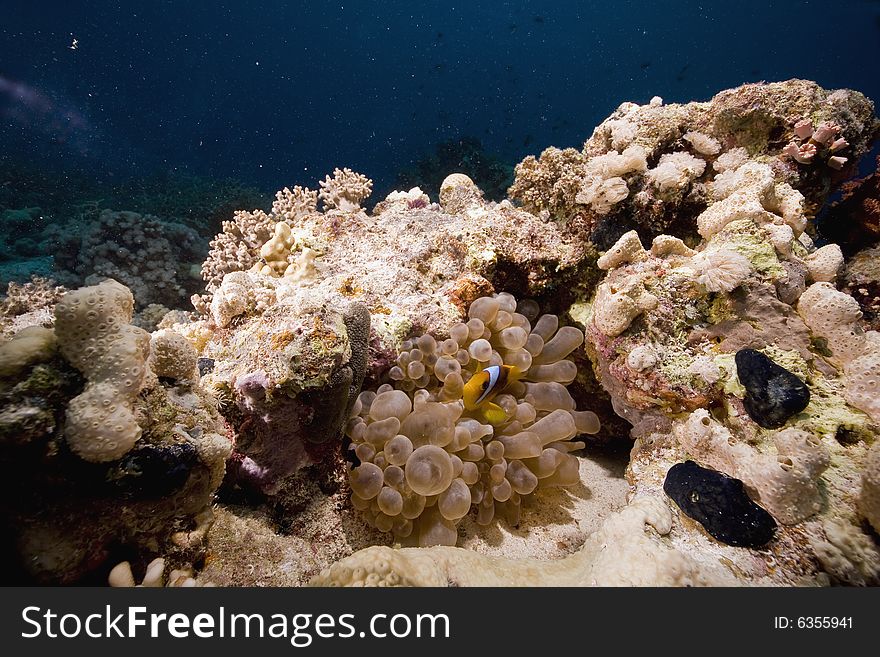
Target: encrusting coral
x=427 y=459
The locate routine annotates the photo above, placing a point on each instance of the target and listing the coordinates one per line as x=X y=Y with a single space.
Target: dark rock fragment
x=719 y=503
x=773 y=394
x=206 y=366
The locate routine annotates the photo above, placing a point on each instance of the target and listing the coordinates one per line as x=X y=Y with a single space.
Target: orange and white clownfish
x=483 y=386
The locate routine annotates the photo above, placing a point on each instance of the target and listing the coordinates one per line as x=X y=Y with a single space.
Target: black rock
x=206 y=366
x=773 y=394
x=719 y=503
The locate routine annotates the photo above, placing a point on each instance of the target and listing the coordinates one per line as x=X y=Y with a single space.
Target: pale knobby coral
x=825 y=264
x=172 y=356
x=786 y=483
x=426 y=459
x=627 y=249
x=94 y=335
x=345 y=191
x=869 y=496
x=751 y=192
x=616 y=306
x=285 y=254
x=240 y=293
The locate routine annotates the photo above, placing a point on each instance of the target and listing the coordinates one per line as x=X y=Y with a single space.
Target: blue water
x=275 y=93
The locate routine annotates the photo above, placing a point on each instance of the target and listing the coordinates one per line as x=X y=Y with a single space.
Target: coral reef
x=30 y=303
x=681 y=141
x=113 y=457
x=156 y=259
x=281 y=334
x=427 y=454
x=854 y=221
x=345 y=191
x=353 y=378
x=154 y=576
x=94 y=335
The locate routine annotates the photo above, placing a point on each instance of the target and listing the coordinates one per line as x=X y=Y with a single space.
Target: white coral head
x=721 y=270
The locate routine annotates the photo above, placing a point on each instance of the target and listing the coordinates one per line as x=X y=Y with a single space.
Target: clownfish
x=482 y=387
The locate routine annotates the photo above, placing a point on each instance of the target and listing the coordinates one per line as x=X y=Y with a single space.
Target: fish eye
x=485 y=385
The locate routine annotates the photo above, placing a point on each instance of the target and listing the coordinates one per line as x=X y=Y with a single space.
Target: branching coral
x=237 y=248
x=292 y=204
x=345 y=191
x=426 y=459
x=34 y=295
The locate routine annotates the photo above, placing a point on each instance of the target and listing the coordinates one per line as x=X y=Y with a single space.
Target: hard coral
x=129 y=454
x=726 y=131
x=426 y=459
x=94 y=335
x=155 y=258
x=237 y=248
x=345 y=191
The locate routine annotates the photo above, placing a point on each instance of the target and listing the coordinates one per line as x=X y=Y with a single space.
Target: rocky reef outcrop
x=691 y=305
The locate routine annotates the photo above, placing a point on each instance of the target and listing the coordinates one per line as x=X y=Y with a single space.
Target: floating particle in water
x=719 y=503
x=773 y=394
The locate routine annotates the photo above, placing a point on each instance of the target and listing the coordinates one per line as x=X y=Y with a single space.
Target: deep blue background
x=277 y=93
